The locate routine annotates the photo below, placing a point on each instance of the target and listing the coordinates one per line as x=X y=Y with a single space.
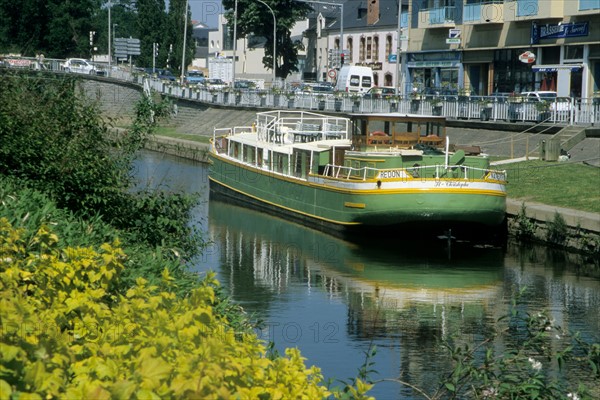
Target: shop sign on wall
x=560 y=30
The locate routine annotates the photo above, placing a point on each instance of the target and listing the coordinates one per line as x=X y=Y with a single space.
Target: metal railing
x=581 y=111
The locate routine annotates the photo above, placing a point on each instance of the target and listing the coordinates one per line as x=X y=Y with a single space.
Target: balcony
x=486 y=12
x=586 y=7
x=442 y=17
x=529 y=10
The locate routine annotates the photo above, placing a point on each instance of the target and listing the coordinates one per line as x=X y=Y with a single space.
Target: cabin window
x=259 y=159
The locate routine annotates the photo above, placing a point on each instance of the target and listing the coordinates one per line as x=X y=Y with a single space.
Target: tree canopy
x=254 y=18
x=61 y=29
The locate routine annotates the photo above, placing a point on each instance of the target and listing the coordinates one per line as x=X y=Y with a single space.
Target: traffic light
x=342 y=58
x=155 y=49
x=92 y=33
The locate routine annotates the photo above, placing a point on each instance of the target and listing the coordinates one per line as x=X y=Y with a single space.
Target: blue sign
x=392 y=58
x=557 y=31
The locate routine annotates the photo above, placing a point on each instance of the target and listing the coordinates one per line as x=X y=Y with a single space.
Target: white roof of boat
x=251 y=139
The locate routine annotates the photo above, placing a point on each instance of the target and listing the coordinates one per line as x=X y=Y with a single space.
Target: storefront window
x=574 y=53
x=510 y=74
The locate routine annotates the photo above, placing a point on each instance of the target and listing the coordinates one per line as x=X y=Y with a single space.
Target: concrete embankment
x=572 y=229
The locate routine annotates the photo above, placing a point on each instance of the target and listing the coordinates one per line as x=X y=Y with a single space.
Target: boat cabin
x=395 y=130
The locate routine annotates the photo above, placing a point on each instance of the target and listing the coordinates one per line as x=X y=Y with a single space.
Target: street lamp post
x=274 y=41
x=109 y=37
x=184 y=40
x=234 y=43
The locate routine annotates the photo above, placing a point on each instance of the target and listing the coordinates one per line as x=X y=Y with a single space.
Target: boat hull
x=427 y=203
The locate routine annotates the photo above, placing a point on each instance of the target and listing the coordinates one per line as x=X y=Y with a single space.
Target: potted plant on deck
x=415 y=100
x=321 y=102
x=393 y=101
x=436 y=105
x=486 y=109
x=338 y=98
x=290 y=96
x=355 y=102
x=543 y=109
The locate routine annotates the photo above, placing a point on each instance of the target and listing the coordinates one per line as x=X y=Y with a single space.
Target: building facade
x=488 y=46
x=478 y=46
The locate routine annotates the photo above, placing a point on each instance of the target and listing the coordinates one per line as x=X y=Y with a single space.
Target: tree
x=57 y=28
x=174 y=34
x=255 y=19
x=151 y=27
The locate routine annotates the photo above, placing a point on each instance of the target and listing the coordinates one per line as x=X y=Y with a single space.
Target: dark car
x=161 y=73
x=380 y=92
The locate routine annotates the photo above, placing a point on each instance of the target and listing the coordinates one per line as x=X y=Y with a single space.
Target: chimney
x=372 y=12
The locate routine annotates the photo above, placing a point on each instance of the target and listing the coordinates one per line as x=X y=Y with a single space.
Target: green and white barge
x=369 y=171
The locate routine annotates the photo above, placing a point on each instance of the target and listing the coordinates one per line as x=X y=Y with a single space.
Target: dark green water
x=334 y=299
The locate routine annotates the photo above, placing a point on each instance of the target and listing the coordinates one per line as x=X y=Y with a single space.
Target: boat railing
x=300 y=126
x=437 y=171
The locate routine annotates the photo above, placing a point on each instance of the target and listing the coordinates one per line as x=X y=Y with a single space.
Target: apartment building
x=479 y=46
x=487 y=46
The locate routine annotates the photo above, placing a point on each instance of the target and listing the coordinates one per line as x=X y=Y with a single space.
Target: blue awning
x=554 y=68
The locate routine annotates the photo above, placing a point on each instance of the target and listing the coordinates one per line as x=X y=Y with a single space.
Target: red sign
x=527 y=57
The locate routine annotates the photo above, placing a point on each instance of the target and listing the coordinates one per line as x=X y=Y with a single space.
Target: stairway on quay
x=202 y=121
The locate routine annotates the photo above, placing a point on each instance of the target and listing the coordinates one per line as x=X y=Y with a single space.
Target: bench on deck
x=406 y=139
x=333 y=131
x=431 y=140
x=304 y=132
x=378 y=137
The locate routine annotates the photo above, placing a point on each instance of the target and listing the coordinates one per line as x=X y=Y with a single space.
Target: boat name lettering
x=392 y=174
x=497 y=176
x=453 y=184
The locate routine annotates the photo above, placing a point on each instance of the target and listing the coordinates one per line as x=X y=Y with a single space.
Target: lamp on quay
x=274 y=41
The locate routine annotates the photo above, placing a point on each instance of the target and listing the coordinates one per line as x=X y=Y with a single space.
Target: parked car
x=215 y=83
x=161 y=73
x=79 y=66
x=380 y=92
x=244 y=84
x=165 y=75
x=540 y=106
x=195 y=78
x=316 y=89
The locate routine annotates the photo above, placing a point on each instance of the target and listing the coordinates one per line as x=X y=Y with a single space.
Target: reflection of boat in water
x=274 y=253
x=376 y=172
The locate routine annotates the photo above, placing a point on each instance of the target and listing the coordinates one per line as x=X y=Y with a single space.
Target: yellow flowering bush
x=65 y=333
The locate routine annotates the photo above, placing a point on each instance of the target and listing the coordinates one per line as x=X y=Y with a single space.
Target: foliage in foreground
x=65 y=335
x=53 y=138
x=529 y=356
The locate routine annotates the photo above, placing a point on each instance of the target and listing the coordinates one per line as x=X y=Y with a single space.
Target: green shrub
x=65 y=335
x=557 y=230
x=53 y=138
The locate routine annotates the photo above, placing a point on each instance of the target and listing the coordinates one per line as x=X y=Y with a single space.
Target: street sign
x=452 y=41
x=453 y=33
x=133 y=46
x=125 y=47
x=392 y=58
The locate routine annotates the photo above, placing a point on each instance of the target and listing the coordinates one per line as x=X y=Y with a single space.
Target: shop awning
x=556 y=67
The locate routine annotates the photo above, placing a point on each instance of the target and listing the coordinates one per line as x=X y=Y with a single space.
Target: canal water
x=335 y=300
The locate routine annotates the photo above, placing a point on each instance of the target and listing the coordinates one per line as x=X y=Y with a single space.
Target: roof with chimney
x=384 y=13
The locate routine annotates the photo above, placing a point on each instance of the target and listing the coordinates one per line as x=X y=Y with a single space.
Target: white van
x=354 y=79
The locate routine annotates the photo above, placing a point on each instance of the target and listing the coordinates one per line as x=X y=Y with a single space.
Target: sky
x=206 y=11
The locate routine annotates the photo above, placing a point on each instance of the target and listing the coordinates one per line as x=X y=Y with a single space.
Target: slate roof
x=388 y=14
